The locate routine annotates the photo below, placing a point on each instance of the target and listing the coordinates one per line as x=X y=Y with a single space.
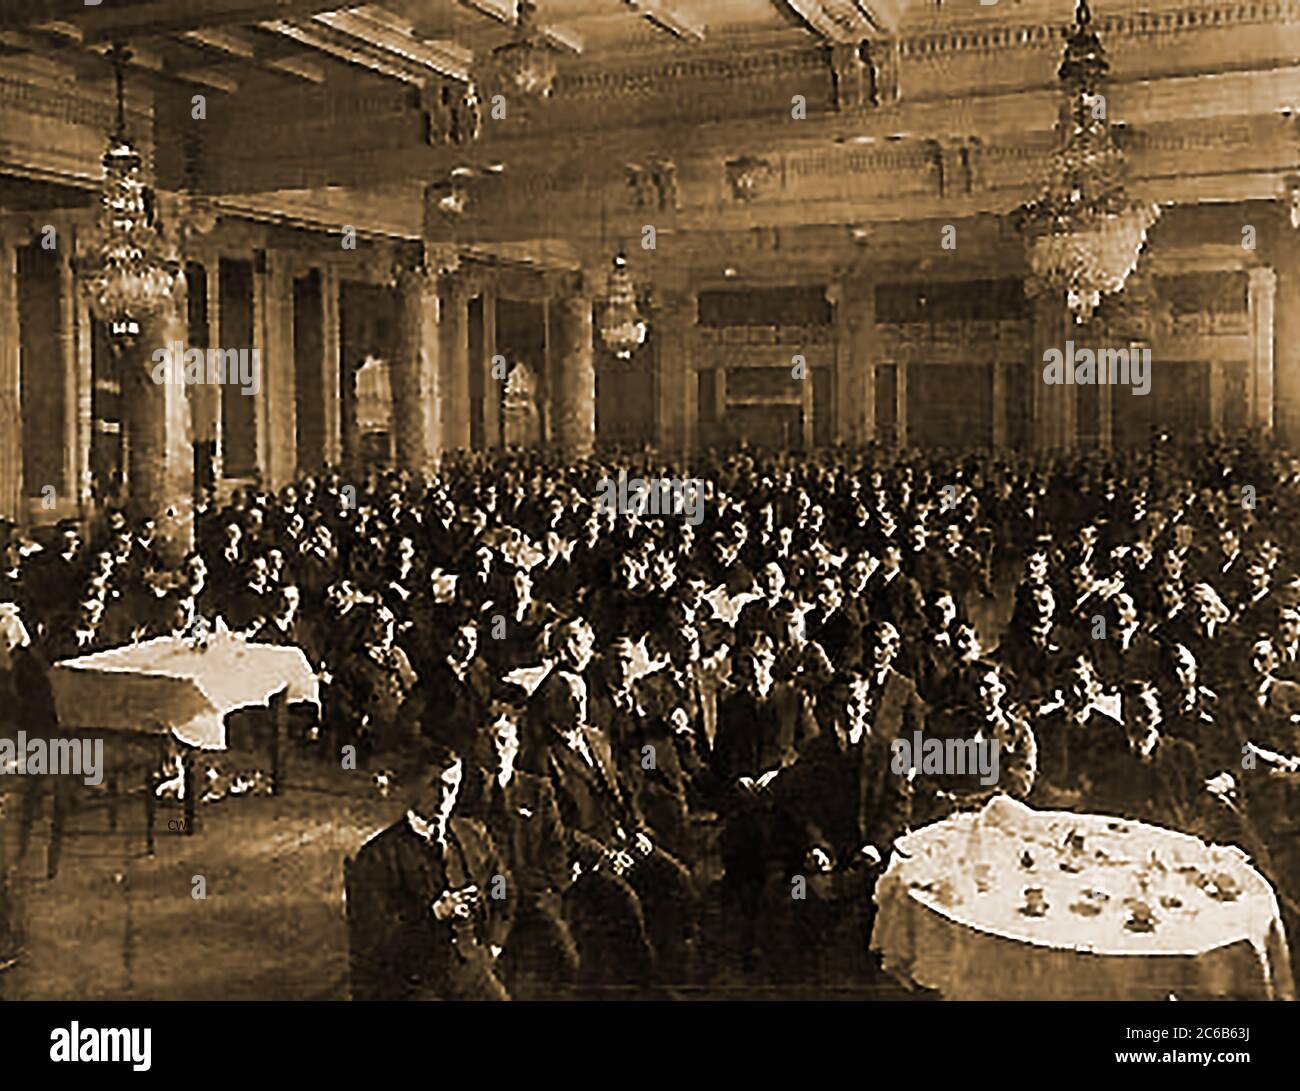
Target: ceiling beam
x=240 y=45
x=846 y=21
x=116 y=19
x=318 y=37
x=230 y=42
x=151 y=59
x=503 y=11
x=663 y=14
x=206 y=77
x=379 y=31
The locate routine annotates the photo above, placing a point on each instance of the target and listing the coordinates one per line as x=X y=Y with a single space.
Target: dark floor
x=118 y=924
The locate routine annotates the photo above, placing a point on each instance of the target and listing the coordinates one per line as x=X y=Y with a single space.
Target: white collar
x=426 y=831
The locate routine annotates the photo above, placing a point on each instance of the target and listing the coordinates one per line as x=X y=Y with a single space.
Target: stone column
x=1263 y=289
x=545 y=379
x=998 y=405
x=85 y=397
x=1285 y=258
x=278 y=374
x=492 y=386
x=900 y=404
x=855 y=369
x=1053 y=406
x=574 y=392
x=11 y=420
x=260 y=306
x=70 y=487
x=417 y=414
x=160 y=459
x=453 y=363
x=676 y=387
x=331 y=380
x=210 y=429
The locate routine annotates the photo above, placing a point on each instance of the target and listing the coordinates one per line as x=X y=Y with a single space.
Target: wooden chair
x=353 y=945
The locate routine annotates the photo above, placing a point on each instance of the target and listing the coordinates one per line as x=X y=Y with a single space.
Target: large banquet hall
x=656 y=499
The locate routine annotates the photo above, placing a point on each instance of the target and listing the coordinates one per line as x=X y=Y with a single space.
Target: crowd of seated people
x=702 y=714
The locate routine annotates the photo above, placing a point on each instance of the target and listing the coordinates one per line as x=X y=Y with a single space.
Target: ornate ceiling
x=657 y=101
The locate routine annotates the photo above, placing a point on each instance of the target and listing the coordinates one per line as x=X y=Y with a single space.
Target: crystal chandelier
x=132 y=273
x=622 y=328
x=526 y=64
x=1084 y=235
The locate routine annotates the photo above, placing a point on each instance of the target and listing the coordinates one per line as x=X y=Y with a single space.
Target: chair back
x=353 y=945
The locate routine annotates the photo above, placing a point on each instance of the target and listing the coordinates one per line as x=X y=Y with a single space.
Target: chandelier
x=1083 y=235
x=622 y=328
x=132 y=273
x=527 y=63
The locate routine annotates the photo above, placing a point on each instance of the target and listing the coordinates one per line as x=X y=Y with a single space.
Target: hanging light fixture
x=1084 y=235
x=526 y=64
x=132 y=274
x=622 y=328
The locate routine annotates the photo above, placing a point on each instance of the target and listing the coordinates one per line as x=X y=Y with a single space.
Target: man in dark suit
x=27 y=703
x=429 y=910
x=1142 y=773
x=1072 y=732
x=762 y=614
x=455 y=695
x=633 y=902
x=762 y=724
x=520 y=813
x=644 y=746
x=897 y=597
x=896 y=711
x=1124 y=652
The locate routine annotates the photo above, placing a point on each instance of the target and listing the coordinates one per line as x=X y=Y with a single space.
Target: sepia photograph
x=649 y=500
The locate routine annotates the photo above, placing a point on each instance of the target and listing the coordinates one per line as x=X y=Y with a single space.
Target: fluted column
x=453 y=364
x=676 y=387
x=11 y=420
x=417 y=414
x=160 y=458
x=574 y=391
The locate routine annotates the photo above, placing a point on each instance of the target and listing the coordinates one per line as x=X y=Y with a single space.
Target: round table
x=1009 y=903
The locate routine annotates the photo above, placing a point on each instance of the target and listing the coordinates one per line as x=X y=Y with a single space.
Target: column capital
x=457 y=286
x=568 y=283
x=414 y=279
x=1262 y=279
x=677 y=306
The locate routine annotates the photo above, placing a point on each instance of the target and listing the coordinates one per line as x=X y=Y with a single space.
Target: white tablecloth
x=164 y=685
x=950 y=911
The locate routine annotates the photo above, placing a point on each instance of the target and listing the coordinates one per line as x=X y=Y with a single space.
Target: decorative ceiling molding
x=1130 y=25
x=633 y=78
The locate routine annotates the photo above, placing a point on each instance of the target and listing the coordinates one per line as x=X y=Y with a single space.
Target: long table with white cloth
x=181 y=689
x=1010 y=903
